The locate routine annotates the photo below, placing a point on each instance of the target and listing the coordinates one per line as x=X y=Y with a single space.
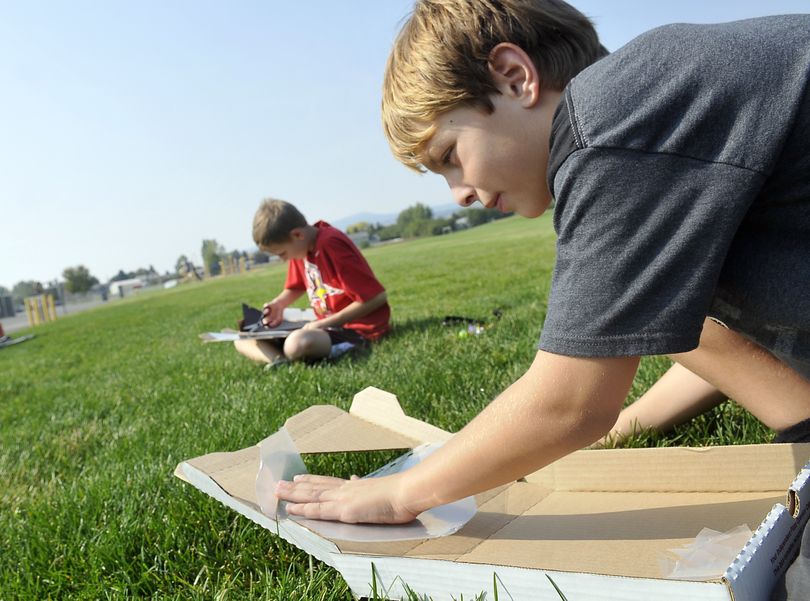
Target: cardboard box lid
x=605 y=512
x=374 y=422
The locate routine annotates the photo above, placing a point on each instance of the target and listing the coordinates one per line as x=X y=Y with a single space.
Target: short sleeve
x=642 y=238
x=352 y=271
x=295 y=275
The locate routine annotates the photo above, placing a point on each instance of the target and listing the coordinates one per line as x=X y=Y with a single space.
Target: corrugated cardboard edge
x=768 y=554
x=397 y=577
x=307 y=541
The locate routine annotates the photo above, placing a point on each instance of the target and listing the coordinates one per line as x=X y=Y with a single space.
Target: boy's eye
x=447 y=156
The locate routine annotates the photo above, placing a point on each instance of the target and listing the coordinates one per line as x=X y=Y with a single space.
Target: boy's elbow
x=594 y=422
x=378 y=301
x=585 y=394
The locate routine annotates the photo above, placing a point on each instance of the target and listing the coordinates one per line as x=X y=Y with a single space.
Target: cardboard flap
x=739 y=468
x=383 y=409
x=375 y=422
x=234 y=472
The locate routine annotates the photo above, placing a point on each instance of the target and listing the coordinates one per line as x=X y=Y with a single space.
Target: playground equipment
x=40 y=308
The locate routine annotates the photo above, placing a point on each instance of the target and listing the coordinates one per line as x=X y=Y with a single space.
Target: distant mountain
x=439 y=211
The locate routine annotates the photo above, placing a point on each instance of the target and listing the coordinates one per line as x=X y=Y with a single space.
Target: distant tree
x=438 y=226
x=389 y=233
x=211 y=253
x=26 y=288
x=122 y=275
x=480 y=216
x=360 y=226
x=260 y=257
x=181 y=266
x=416 y=213
x=78 y=279
x=4 y=291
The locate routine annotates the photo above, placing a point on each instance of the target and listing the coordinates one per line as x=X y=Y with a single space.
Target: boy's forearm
x=560 y=405
x=287 y=297
x=354 y=310
x=773 y=392
x=678 y=396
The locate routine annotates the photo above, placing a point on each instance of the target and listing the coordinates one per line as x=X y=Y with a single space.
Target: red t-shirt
x=335 y=275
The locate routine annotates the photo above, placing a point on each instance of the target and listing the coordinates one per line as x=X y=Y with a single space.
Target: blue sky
x=131 y=131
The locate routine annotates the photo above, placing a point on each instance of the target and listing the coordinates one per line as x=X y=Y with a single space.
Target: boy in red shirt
x=350 y=303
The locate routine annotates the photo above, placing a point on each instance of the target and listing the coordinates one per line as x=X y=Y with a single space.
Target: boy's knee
x=307 y=344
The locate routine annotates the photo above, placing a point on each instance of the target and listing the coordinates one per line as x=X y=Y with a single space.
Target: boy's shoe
x=339 y=349
x=277 y=362
x=9 y=341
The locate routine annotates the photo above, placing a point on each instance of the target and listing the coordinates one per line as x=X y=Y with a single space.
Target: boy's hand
x=272 y=313
x=315 y=324
x=370 y=500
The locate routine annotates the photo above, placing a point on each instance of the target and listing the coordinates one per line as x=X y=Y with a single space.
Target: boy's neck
x=310 y=233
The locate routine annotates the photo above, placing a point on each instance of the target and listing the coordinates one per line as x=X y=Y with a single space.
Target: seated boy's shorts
x=338 y=335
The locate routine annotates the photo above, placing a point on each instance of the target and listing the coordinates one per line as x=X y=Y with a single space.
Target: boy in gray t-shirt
x=681 y=172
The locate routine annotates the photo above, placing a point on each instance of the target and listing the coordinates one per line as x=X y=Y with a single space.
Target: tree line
x=418 y=220
x=413 y=222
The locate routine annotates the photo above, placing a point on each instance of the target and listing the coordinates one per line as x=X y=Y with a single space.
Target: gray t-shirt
x=680 y=166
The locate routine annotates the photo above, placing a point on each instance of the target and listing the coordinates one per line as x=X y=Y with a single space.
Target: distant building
x=6 y=306
x=123 y=288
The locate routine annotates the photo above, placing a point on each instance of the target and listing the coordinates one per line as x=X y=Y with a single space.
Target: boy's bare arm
x=773 y=392
x=678 y=396
x=350 y=312
x=559 y=405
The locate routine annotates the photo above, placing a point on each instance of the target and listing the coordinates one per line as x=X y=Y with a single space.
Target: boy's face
x=498 y=159
x=295 y=247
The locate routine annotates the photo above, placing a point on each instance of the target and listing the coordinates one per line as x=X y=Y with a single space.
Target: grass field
x=99 y=408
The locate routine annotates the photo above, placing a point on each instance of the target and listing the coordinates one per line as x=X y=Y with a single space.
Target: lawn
x=100 y=407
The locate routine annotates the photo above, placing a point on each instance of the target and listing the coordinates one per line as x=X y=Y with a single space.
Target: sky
x=131 y=131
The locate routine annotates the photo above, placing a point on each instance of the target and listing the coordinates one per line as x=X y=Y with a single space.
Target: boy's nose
x=464 y=195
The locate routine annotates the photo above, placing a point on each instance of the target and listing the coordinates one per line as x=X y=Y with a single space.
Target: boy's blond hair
x=274 y=220
x=440 y=60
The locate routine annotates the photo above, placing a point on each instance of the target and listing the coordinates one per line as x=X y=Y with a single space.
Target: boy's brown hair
x=440 y=60
x=274 y=220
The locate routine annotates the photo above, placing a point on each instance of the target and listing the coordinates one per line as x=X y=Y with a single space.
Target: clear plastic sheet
x=707 y=557
x=280 y=460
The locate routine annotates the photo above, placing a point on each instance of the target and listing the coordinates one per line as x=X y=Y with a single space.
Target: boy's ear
x=514 y=74
x=297 y=233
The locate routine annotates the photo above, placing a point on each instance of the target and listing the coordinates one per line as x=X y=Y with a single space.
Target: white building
x=124 y=288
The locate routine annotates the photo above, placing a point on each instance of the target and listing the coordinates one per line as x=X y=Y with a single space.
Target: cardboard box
x=596 y=521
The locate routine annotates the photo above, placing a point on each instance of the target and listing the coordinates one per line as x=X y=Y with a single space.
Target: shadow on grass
x=407 y=327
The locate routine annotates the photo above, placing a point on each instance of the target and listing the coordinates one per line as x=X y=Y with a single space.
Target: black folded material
x=251 y=319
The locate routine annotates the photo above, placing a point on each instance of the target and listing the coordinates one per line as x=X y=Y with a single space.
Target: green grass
x=99 y=408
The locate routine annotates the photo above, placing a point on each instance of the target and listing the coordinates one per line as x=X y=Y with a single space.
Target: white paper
x=292 y=319
x=294 y=314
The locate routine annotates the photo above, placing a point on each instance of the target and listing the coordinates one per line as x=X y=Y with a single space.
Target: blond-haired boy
x=681 y=174
x=349 y=302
